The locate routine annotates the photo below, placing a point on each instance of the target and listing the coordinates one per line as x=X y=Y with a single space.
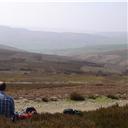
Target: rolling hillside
x=112 y=60
x=44 y=42
x=89 y=49
x=62 y=52
x=113 y=56
x=12 y=60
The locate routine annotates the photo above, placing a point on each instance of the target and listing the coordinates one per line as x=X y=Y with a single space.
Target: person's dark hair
x=31 y=109
x=2 y=86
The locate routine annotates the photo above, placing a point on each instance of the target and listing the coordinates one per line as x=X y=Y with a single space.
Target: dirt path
x=59 y=106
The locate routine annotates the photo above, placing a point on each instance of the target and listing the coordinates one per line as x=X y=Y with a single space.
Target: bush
x=113 y=97
x=45 y=99
x=77 y=97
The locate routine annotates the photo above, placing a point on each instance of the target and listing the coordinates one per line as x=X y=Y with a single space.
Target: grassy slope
x=91 y=49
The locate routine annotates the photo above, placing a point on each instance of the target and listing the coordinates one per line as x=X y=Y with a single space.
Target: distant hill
x=115 y=57
x=70 y=52
x=89 y=49
x=27 y=62
x=44 y=42
x=5 y=47
x=12 y=60
x=114 y=60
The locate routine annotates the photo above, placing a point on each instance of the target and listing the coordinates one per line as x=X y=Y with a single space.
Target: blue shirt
x=7 y=107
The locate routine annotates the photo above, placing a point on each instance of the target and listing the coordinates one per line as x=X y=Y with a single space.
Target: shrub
x=45 y=99
x=112 y=97
x=77 y=97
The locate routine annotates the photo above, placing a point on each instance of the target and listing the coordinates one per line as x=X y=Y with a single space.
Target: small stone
x=38 y=99
x=45 y=99
x=54 y=99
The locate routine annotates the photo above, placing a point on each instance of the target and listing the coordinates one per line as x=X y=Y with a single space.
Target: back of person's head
x=2 y=86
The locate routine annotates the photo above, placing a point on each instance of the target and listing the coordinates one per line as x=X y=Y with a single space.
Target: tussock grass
x=76 y=96
x=113 y=97
x=112 y=117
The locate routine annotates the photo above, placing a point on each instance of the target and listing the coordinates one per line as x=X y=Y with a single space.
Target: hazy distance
x=66 y=17
x=41 y=27
x=44 y=42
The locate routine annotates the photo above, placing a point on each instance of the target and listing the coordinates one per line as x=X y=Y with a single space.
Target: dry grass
x=112 y=117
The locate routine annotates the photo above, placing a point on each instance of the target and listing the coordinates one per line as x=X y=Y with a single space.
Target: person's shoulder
x=2 y=95
x=9 y=97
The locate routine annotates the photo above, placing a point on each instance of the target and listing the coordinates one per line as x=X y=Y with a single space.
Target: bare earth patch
x=59 y=106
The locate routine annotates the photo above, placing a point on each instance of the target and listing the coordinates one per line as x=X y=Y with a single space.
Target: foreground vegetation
x=112 y=117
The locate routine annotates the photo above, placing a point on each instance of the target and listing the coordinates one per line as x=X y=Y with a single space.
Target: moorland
x=53 y=80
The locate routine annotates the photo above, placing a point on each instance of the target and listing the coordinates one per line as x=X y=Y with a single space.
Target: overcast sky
x=66 y=17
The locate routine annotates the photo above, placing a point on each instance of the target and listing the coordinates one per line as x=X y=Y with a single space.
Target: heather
x=112 y=117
